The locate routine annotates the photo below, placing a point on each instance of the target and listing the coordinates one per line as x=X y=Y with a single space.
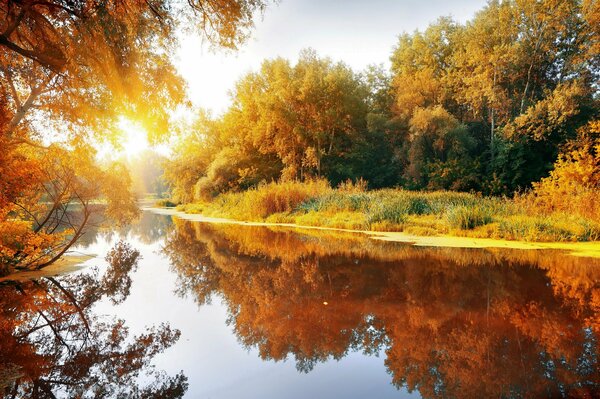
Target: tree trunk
x=493 y=122
x=533 y=56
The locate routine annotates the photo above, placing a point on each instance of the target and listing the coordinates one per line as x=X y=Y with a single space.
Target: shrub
x=574 y=184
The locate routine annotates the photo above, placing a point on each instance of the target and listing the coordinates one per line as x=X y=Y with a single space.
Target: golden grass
x=315 y=203
x=265 y=200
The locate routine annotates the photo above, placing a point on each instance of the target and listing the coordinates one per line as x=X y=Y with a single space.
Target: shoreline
x=589 y=249
x=67 y=264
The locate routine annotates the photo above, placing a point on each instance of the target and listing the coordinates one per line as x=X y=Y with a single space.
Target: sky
x=356 y=32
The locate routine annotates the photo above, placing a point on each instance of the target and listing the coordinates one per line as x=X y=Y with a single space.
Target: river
x=230 y=311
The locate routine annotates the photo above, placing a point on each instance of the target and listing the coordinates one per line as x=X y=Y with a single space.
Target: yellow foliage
x=574 y=184
x=21 y=245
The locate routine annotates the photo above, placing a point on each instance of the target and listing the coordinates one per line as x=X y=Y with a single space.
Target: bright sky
x=356 y=32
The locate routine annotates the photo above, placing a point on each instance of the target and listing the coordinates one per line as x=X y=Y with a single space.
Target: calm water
x=227 y=311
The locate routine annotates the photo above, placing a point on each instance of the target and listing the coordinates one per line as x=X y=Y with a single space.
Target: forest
x=504 y=107
x=487 y=106
x=489 y=127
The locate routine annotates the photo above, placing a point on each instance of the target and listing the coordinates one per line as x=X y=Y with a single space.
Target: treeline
x=485 y=106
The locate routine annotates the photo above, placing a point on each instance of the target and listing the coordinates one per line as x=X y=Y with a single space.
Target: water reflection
x=148 y=229
x=52 y=343
x=447 y=322
x=452 y=322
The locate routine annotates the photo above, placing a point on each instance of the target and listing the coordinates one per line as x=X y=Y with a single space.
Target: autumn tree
x=70 y=70
x=520 y=75
x=86 y=63
x=307 y=114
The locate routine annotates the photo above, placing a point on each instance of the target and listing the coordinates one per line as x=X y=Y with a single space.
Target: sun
x=135 y=137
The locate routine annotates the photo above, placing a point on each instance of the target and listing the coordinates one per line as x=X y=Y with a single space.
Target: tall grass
x=267 y=199
x=467 y=218
x=350 y=206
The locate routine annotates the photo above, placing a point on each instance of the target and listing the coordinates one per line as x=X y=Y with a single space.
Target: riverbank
x=584 y=249
x=352 y=207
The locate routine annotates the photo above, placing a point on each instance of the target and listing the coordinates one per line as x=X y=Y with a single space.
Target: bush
x=573 y=185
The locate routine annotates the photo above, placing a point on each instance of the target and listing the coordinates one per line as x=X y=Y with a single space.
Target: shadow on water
x=452 y=322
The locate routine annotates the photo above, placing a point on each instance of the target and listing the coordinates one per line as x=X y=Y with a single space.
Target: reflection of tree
x=148 y=228
x=453 y=322
x=53 y=345
x=122 y=259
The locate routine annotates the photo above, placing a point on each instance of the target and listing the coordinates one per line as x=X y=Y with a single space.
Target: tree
x=441 y=153
x=73 y=69
x=47 y=217
x=87 y=63
x=307 y=115
x=420 y=67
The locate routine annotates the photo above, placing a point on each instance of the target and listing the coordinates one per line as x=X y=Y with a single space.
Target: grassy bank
x=418 y=213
